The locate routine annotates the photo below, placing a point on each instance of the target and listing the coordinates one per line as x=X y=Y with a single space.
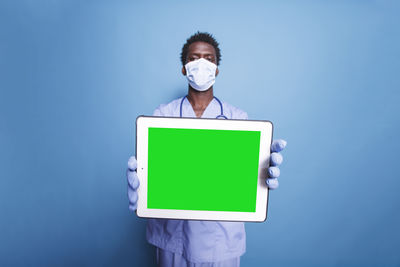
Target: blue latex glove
x=275 y=160
x=133 y=183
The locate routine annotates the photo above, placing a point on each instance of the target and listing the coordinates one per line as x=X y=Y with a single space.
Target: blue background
x=74 y=75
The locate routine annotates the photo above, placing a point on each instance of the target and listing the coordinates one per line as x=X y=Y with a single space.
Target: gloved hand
x=133 y=183
x=275 y=160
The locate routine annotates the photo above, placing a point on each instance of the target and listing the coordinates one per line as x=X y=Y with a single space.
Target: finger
x=276 y=159
x=274 y=172
x=272 y=183
x=132 y=163
x=133 y=180
x=132 y=196
x=278 y=145
x=133 y=207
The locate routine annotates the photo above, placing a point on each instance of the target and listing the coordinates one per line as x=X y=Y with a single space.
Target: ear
x=216 y=72
x=184 y=71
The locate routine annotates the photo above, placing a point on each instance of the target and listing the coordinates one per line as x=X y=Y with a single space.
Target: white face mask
x=201 y=74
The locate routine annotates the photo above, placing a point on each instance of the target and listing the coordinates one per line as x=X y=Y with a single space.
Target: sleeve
x=158 y=111
x=243 y=116
x=239 y=114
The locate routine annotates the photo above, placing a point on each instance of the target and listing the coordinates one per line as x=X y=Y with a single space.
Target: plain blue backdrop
x=74 y=75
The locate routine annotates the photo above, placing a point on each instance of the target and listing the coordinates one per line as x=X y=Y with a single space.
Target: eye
x=211 y=59
x=192 y=58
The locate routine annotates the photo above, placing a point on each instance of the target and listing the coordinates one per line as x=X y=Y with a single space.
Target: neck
x=200 y=100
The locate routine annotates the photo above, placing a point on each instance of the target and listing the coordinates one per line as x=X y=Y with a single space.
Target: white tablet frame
x=266 y=129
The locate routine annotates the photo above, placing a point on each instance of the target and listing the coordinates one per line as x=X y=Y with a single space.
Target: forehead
x=201 y=48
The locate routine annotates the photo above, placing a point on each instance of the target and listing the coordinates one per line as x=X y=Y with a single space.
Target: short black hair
x=200 y=37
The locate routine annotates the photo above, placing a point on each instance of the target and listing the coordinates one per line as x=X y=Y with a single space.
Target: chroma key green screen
x=198 y=169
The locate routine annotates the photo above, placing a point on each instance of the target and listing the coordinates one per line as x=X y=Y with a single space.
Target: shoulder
x=233 y=112
x=170 y=109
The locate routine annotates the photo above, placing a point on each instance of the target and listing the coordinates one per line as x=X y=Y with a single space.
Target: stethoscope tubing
x=220 y=116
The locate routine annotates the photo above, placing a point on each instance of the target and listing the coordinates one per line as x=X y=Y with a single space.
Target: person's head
x=207 y=42
x=201 y=45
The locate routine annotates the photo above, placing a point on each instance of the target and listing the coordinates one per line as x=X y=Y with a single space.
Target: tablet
x=202 y=169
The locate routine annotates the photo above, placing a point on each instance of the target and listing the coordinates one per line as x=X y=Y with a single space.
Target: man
x=199 y=243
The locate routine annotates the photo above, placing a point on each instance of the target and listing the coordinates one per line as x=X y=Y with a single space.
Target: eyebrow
x=206 y=54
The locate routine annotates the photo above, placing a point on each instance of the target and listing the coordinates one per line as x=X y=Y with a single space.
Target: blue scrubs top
x=198 y=241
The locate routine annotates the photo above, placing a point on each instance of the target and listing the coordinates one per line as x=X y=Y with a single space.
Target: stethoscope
x=220 y=116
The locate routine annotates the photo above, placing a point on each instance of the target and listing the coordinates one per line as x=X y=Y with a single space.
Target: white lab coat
x=198 y=241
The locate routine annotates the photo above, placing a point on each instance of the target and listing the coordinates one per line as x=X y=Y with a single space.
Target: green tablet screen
x=197 y=169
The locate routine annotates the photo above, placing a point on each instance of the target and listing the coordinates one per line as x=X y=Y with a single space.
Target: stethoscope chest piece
x=221 y=117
